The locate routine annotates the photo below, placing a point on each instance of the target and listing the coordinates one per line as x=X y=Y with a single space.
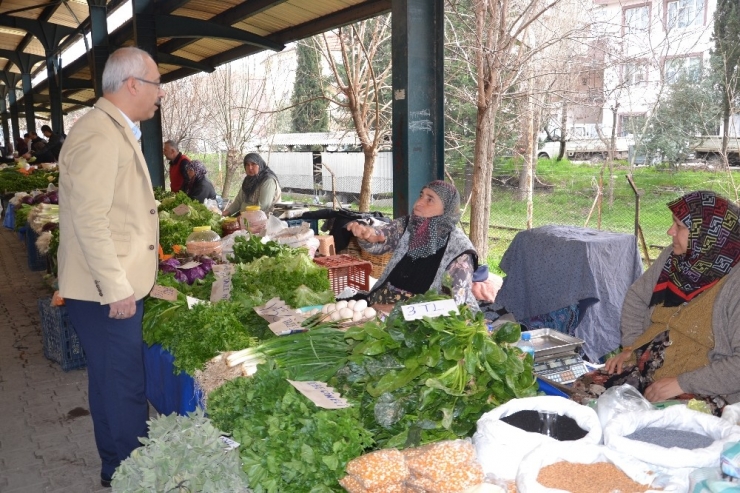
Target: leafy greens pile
x=175 y=229
x=248 y=249
x=287 y=443
x=181 y=454
x=281 y=276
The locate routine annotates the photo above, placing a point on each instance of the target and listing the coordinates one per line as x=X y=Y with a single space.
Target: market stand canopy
x=184 y=36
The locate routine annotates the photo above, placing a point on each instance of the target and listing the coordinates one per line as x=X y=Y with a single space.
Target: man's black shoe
x=105 y=483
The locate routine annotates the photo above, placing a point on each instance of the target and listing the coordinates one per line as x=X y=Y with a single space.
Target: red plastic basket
x=346 y=271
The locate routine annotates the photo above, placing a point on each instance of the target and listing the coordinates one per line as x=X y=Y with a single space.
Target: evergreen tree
x=725 y=58
x=309 y=107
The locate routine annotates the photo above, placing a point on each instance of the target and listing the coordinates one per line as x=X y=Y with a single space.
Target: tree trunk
x=367 y=179
x=725 y=131
x=563 y=133
x=610 y=158
x=233 y=165
x=480 y=203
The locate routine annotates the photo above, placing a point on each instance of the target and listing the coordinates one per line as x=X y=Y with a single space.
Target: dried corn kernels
x=380 y=468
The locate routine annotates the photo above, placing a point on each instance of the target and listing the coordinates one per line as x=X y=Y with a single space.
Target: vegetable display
x=287 y=443
x=174 y=229
x=12 y=181
x=427 y=380
x=181 y=453
x=248 y=249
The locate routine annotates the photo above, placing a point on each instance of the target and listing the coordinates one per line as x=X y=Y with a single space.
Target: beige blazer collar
x=117 y=116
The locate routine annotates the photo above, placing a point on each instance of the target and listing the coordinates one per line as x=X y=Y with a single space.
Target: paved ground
x=46 y=436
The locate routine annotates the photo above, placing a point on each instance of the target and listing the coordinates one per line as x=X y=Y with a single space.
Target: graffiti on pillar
x=419 y=121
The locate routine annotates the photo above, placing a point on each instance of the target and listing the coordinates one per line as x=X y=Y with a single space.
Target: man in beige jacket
x=108 y=248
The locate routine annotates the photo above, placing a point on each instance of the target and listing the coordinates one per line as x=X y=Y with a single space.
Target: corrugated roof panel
x=34 y=47
x=9 y=41
x=63 y=16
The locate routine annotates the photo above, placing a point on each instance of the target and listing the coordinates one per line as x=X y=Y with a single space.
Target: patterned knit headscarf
x=713 y=248
x=429 y=234
x=200 y=172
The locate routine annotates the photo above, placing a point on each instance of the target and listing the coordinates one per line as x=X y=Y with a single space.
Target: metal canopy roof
x=192 y=35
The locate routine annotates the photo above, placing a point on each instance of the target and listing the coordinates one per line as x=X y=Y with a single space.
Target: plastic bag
x=620 y=399
x=679 y=462
x=578 y=453
x=227 y=243
x=731 y=413
x=730 y=460
x=500 y=447
x=296 y=236
x=274 y=226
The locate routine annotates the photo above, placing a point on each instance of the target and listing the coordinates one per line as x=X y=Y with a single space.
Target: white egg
x=345 y=313
x=330 y=307
x=369 y=312
x=335 y=316
x=357 y=316
x=351 y=304
x=360 y=305
x=341 y=304
x=324 y=309
x=314 y=311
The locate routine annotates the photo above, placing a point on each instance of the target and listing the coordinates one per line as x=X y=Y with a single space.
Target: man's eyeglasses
x=158 y=84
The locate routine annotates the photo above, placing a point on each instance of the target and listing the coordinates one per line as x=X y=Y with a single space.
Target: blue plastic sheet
x=9 y=219
x=168 y=393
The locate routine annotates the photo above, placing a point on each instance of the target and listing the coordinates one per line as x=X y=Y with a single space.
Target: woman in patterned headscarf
x=681 y=318
x=198 y=187
x=430 y=252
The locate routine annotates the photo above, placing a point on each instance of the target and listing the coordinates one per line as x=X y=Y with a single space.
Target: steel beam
x=100 y=45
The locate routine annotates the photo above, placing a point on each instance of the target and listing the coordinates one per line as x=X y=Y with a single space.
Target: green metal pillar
x=145 y=37
x=99 y=37
x=13 y=101
x=4 y=118
x=28 y=101
x=418 y=98
x=53 y=69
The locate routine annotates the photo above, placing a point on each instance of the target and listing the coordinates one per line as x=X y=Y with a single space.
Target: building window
x=634 y=73
x=636 y=19
x=685 y=13
x=688 y=67
x=631 y=125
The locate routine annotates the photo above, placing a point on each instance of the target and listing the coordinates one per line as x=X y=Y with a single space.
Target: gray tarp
x=551 y=267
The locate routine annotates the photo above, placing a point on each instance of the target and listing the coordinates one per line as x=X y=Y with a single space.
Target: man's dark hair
x=45 y=128
x=26 y=135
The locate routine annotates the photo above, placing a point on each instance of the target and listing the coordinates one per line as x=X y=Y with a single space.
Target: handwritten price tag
x=274 y=310
x=193 y=301
x=288 y=325
x=181 y=210
x=321 y=394
x=163 y=293
x=430 y=309
x=189 y=265
x=229 y=443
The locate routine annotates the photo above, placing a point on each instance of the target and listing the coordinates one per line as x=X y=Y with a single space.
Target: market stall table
x=552 y=267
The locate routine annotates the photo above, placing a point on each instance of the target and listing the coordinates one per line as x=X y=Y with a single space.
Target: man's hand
x=366 y=233
x=123 y=309
x=663 y=389
x=616 y=364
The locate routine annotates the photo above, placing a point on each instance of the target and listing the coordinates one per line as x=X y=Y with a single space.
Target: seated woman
x=681 y=319
x=199 y=187
x=429 y=251
x=260 y=187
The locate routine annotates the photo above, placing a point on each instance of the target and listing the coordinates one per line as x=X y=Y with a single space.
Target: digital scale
x=556 y=355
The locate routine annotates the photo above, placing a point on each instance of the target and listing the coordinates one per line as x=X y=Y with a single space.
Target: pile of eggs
x=343 y=311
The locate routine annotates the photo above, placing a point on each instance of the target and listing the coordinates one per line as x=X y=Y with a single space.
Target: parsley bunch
x=287 y=443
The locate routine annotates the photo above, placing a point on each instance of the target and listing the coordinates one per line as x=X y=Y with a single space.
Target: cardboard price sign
x=193 y=301
x=274 y=310
x=163 y=293
x=221 y=287
x=181 y=210
x=288 y=325
x=321 y=394
x=431 y=309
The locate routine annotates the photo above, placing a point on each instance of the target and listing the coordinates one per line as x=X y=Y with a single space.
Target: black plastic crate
x=36 y=261
x=61 y=343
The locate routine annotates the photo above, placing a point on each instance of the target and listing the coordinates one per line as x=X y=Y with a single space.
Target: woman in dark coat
x=199 y=187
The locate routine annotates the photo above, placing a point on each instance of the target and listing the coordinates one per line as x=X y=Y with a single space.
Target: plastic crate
x=61 y=343
x=314 y=223
x=36 y=261
x=346 y=271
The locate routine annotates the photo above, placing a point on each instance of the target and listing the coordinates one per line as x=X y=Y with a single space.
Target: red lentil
x=601 y=477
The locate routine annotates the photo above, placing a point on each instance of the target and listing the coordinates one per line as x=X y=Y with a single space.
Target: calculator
x=563 y=369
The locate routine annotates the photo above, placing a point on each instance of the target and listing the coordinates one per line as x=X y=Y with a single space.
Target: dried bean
x=664 y=437
x=380 y=468
x=601 y=477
